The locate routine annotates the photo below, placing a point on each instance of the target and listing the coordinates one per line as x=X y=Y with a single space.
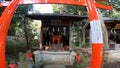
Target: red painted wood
x=72 y=2
x=97 y=47
x=97 y=51
x=4 y=24
x=98 y=5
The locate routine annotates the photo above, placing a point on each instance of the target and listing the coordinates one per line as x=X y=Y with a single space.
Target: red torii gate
x=95 y=24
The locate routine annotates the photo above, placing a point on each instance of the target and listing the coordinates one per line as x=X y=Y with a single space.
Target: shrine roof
x=112 y=22
x=55 y=16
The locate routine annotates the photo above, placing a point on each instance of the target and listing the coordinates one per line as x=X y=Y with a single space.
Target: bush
x=15 y=45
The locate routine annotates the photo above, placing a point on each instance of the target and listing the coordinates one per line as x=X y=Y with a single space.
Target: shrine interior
x=56 y=30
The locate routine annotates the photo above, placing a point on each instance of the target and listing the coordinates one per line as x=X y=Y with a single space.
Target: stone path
x=112 y=65
x=54 y=66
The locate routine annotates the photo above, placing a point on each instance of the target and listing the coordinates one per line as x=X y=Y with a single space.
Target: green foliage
x=57 y=8
x=15 y=45
x=19 y=28
x=75 y=10
x=82 y=31
x=77 y=34
x=84 y=62
x=87 y=38
x=116 y=12
x=1 y=10
x=69 y=9
x=33 y=29
x=16 y=25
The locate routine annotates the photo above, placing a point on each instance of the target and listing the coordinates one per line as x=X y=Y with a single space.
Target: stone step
x=54 y=66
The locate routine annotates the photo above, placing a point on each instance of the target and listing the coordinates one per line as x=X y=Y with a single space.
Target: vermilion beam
x=4 y=24
x=98 y=5
x=73 y=2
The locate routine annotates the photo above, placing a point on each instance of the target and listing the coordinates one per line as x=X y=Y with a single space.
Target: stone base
x=25 y=65
x=54 y=66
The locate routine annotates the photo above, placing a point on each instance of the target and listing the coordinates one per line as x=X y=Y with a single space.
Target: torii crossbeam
x=95 y=24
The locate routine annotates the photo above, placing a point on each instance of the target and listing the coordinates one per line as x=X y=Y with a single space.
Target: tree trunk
x=26 y=32
x=83 y=34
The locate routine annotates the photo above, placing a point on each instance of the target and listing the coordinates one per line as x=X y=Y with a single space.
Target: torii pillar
x=96 y=35
x=95 y=24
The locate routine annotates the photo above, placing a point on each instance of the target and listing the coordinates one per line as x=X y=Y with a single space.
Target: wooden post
x=5 y=20
x=96 y=33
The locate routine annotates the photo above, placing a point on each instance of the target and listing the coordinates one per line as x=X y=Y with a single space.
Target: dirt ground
x=111 y=65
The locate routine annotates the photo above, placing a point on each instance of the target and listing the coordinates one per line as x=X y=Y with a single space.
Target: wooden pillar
x=41 y=36
x=5 y=20
x=70 y=39
x=96 y=35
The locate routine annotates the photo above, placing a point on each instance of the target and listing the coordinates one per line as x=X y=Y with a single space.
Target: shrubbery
x=14 y=45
